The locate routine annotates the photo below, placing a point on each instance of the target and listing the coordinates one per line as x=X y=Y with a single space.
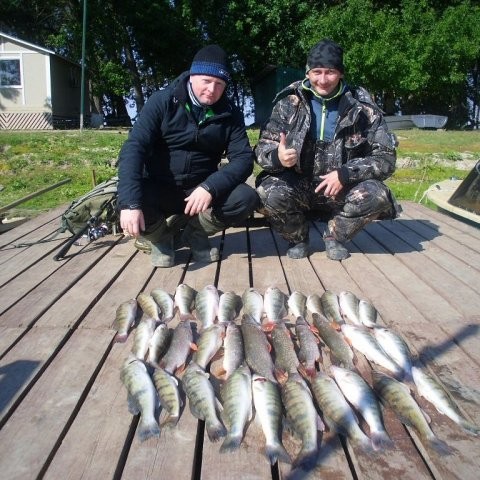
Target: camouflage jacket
x=362 y=147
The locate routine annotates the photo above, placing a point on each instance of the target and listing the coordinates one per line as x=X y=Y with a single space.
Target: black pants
x=160 y=202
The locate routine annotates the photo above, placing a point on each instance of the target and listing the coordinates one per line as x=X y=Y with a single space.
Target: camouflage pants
x=288 y=200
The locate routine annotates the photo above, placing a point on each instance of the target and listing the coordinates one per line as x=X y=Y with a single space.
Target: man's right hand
x=132 y=222
x=288 y=156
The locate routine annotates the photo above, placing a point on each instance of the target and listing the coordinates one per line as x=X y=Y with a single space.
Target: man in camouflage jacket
x=324 y=153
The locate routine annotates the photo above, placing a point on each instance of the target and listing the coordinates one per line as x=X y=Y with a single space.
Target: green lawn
x=31 y=161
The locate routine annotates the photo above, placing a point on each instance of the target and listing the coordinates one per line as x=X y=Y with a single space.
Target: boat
x=433 y=122
x=399 y=122
x=460 y=198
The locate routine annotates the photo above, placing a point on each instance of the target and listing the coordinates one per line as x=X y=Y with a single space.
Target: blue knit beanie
x=326 y=54
x=212 y=61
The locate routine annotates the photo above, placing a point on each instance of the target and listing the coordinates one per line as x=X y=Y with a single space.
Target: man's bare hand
x=132 y=222
x=198 y=201
x=330 y=185
x=288 y=156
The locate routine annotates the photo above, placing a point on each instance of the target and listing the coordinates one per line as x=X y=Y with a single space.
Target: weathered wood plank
x=32 y=432
x=8 y=335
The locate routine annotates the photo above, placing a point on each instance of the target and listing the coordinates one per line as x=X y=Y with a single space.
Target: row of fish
x=263 y=367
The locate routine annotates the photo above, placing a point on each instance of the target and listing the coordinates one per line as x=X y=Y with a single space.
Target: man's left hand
x=198 y=201
x=330 y=185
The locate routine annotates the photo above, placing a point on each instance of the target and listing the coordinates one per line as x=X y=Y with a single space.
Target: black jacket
x=169 y=146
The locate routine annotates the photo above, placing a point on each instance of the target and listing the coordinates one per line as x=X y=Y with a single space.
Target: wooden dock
x=64 y=409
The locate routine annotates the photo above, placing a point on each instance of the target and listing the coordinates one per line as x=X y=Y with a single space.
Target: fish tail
x=277 y=452
x=147 y=430
x=306 y=459
x=215 y=431
x=231 y=443
x=381 y=441
x=186 y=316
x=470 y=427
x=440 y=446
x=120 y=338
x=170 y=421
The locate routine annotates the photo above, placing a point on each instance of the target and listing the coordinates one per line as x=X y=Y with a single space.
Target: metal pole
x=82 y=86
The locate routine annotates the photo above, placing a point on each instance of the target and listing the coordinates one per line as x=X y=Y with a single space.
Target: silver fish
x=268 y=407
x=143 y=334
x=124 y=319
x=202 y=400
x=395 y=346
x=165 y=301
x=434 y=392
x=335 y=341
x=367 y=313
x=210 y=341
x=286 y=360
x=337 y=413
x=397 y=396
x=142 y=396
x=257 y=349
x=297 y=303
x=304 y=419
x=158 y=343
x=233 y=349
x=180 y=346
x=363 y=341
x=229 y=306
x=331 y=308
x=314 y=304
x=348 y=302
x=357 y=391
x=253 y=304
x=206 y=305
x=309 y=352
x=184 y=301
x=169 y=394
x=148 y=305
x=274 y=305
x=237 y=404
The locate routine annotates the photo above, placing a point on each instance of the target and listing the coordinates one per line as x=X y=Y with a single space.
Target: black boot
x=298 y=250
x=334 y=249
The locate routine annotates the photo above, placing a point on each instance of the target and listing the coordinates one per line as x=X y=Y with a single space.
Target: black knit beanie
x=326 y=54
x=211 y=60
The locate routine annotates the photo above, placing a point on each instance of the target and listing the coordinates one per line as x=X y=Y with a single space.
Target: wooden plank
x=36 y=289
x=32 y=432
x=8 y=335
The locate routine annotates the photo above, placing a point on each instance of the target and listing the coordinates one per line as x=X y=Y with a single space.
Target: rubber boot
x=196 y=235
x=298 y=250
x=334 y=249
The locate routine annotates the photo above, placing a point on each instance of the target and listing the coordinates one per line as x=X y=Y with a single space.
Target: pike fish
x=286 y=360
x=148 y=305
x=236 y=395
x=233 y=349
x=397 y=395
x=169 y=395
x=165 y=302
x=367 y=313
x=363 y=341
x=253 y=304
x=184 y=300
x=202 y=400
x=124 y=319
x=358 y=392
x=331 y=308
x=158 y=343
x=339 y=348
x=143 y=334
x=179 y=348
x=395 y=346
x=348 y=302
x=229 y=306
x=337 y=413
x=257 y=349
x=303 y=417
x=206 y=305
x=142 y=396
x=297 y=303
x=274 y=305
x=309 y=352
x=210 y=341
x=434 y=392
x=268 y=407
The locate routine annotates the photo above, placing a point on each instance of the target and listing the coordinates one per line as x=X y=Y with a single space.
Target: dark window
x=10 y=73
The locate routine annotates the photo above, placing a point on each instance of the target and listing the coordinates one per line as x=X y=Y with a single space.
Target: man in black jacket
x=168 y=168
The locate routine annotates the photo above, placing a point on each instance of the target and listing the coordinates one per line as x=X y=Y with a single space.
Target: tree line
x=415 y=56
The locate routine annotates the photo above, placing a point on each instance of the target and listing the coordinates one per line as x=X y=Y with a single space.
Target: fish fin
x=440 y=446
x=337 y=326
x=216 y=431
x=193 y=346
x=426 y=416
x=148 y=430
x=231 y=443
x=381 y=441
x=170 y=421
x=180 y=369
x=276 y=453
x=120 y=338
x=186 y=316
x=306 y=459
x=133 y=407
x=281 y=375
x=320 y=424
